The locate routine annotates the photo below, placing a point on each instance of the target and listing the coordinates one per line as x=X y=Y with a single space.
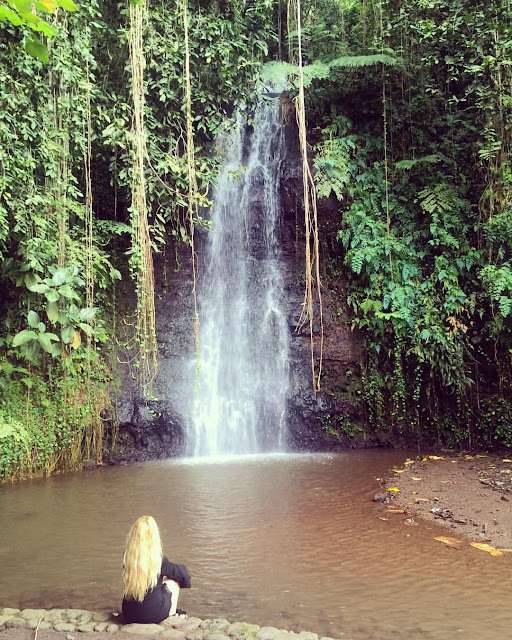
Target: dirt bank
x=470 y=495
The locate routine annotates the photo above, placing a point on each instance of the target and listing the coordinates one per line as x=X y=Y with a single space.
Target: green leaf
x=67 y=334
x=33 y=319
x=86 y=328
x=36 y=49
x=31 y=280
x=60 y=276
x=56 y=349
x=51 y=295
x=73 y=312
x=40 y=288
x=86 y=314
x=33 y=349
x=6 y=15
x=67 y=292
x=52 y=311
x=46 y=341
x=23 y=337
x=45 y=28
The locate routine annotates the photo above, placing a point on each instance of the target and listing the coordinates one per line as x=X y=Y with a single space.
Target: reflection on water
x=285 y=540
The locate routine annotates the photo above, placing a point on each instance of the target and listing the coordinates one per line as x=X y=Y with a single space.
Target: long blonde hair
x=142 y=558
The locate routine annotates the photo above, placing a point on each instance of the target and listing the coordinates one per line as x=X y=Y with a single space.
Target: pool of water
x=292 y=541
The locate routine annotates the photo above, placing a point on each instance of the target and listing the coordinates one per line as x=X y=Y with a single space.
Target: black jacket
x=157 y=601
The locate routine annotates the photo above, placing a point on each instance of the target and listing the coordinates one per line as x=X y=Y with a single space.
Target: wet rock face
x=152 y=427
x=328 y=420
x=331 y=418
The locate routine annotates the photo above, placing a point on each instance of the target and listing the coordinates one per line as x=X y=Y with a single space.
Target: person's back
x=151 y=583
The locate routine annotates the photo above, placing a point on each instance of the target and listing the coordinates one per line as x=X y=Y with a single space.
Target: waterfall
x=240 y=401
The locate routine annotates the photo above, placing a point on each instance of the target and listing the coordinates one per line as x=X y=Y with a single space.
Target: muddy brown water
x=292 y=541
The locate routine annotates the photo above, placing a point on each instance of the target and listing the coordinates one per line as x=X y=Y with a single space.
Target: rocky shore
x=79 y=624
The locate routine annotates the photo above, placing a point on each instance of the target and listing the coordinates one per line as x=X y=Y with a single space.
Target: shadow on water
x=292 y=541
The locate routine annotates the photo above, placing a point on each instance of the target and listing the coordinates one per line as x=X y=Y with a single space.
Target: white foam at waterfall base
x=240 y=400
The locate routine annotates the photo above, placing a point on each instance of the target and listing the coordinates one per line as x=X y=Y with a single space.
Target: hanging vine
x=142 y=257
x=313 y=290
x=193 y=212
x=59 y=100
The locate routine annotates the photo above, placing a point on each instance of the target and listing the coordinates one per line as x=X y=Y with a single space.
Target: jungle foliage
x=417 y=154
x=68 y=222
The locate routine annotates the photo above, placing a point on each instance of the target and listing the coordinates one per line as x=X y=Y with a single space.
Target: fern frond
x=315 y=71
x=277 y=72
x=364 y=61
x=409 y=164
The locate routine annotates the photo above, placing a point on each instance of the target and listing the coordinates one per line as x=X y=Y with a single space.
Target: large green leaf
x=36 y=49
x=31 y=280
x=60 y=276
x=67 y=334
x=86 y=328
x=86 y=314
x=52 y=311
x=51 y=295
x=23 y=337
x=33 y=349
x=56 y=349
x=6 y=15
x=67 y=292
x=33 y=319
x=46 y=341
x=40 y=288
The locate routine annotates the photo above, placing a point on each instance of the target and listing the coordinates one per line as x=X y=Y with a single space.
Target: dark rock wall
x=155 y=427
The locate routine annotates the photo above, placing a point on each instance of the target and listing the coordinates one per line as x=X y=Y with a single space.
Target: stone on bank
x=174 y=628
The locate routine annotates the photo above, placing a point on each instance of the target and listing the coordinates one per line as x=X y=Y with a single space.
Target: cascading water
x=240 y=403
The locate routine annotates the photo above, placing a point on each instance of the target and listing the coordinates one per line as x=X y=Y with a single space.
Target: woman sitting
x=151 y=583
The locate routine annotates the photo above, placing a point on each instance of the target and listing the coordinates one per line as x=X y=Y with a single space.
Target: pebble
x=72 y=621
x=64 y=626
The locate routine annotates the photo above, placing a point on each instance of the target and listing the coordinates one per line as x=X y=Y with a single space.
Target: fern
x=332 y=167
x=441 y=197
x=279 y=72
x=409 y=164
x=13 y=429
x=352 y=62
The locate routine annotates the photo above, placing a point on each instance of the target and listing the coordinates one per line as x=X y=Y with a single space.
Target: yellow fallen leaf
x=422 y=499
x=505 y=550
x=435 y=458
x=451 y=542
x=487 y=547
x=469 y=457
x=396 y=489
x=408 y=462
x=506 y=460
x=416 y=492
x=436 y=499
x=417 y=478
x=399 y=470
